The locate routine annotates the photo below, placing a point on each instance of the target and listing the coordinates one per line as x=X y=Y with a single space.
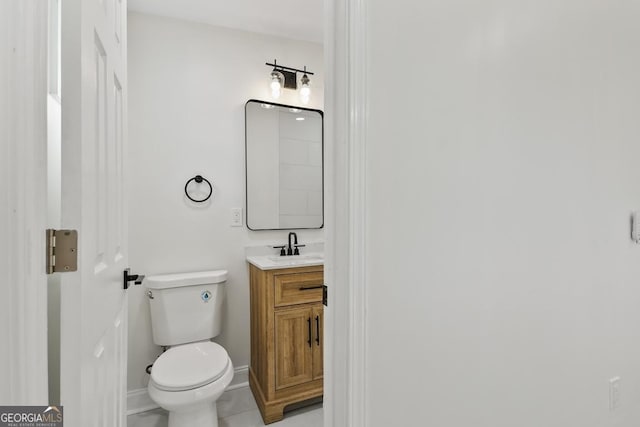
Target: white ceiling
x=296 y=19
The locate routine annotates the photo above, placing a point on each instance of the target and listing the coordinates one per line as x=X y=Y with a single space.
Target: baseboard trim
x=139 y=400
x=240 y=378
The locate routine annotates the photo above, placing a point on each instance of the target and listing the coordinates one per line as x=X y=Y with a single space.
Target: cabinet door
x=294 y=346
x=318 y=341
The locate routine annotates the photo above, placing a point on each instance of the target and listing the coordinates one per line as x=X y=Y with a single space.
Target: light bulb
x=276 y=85
x=275 y=90
x=305 y=90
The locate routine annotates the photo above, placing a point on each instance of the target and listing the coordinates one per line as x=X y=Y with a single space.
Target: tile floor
x=237 y=408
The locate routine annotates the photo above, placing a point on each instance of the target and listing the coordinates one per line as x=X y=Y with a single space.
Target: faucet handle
x=282 y=253
x=296 y=251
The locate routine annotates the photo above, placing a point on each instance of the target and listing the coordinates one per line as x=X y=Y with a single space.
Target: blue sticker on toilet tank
x=206 y=296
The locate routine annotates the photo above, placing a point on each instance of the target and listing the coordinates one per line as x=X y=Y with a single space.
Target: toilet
x=188 y=378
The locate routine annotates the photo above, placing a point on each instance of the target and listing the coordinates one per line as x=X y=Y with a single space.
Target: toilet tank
x=186 y=307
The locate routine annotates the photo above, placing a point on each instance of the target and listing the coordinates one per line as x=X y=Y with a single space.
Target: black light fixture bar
x=282 y=67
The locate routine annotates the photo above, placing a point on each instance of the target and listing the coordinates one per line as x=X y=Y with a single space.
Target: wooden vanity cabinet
x=286 y=337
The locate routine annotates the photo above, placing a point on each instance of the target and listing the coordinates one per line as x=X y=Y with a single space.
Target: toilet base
x=205 y=415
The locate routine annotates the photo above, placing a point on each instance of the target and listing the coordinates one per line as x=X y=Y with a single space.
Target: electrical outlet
x=614 y=393
x=635 y=226
x=236 y=217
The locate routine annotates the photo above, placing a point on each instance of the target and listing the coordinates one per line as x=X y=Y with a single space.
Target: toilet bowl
x=188 y=380
x=192 y=374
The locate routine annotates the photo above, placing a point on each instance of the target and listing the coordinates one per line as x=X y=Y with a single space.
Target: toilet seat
x=189 y=366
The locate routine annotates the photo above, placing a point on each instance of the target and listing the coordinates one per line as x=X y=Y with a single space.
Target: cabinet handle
x=306 y=288
x=309 y=324
x=318 y=330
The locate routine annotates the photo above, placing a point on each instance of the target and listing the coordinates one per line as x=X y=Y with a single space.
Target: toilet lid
x=189 y=366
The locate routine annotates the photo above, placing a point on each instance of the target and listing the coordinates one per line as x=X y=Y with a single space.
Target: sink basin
x=270 y=262
x=296 y=258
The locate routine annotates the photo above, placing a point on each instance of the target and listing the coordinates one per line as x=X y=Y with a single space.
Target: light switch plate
x=614 y=393
x=236 y=217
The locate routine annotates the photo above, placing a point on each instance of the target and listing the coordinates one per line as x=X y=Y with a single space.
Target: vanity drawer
x=298 y=288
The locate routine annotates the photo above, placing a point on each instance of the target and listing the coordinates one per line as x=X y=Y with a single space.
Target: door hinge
x=62 y=251
x=325 y=290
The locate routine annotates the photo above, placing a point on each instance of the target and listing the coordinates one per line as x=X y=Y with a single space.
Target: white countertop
x=272 y=262
x=265 y=257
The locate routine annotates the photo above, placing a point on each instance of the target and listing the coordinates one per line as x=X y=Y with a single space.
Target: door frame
x=23 y=201
x=346 y=108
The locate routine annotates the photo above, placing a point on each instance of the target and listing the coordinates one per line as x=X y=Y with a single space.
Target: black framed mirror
x=284 y=164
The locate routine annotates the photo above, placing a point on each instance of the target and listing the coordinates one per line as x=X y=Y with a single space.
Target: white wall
x=188 y=84
x=502 y=167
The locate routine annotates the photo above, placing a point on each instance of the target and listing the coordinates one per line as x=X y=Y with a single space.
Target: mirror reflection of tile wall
x=284 y=167
x=300 y=170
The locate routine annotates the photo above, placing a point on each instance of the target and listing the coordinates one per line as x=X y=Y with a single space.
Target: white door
x=94 y=133
x=23 y=197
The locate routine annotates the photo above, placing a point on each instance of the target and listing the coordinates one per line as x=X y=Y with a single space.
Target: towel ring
x=198 y=179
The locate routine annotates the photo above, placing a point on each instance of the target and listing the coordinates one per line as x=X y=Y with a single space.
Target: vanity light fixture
x=287 y=78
